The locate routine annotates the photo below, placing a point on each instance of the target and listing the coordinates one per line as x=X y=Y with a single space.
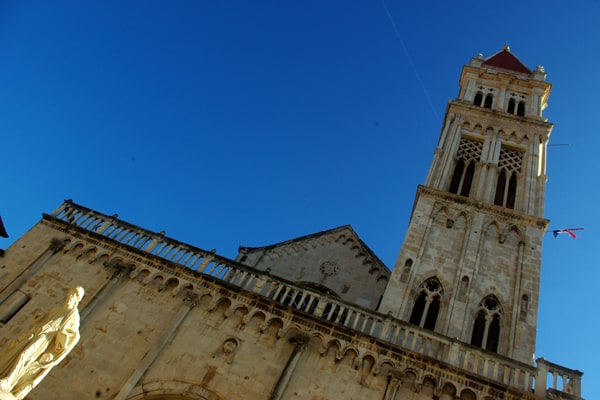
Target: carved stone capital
x=56 y=244
x=191 y=299
x=300 y=340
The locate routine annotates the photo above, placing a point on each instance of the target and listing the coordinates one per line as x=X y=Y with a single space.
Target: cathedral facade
x=320 y=317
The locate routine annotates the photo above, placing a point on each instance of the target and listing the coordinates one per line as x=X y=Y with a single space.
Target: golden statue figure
x=26 y=361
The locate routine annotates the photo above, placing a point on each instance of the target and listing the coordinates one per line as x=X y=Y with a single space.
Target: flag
x=557 y=232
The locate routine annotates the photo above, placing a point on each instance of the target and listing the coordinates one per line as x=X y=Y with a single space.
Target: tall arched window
x=511 y=106
x=469 y=153
x=427 y=304
x=486 y=328
x=488 y=101
x=521 y=109
x=509 y=166
x=478 y=99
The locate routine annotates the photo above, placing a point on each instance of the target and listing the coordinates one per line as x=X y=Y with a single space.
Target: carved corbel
x=191 y=299
x=57 y=244
x=262 y=326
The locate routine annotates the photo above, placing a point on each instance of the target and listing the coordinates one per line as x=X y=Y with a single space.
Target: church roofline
x=504 y=59
x=248 y=249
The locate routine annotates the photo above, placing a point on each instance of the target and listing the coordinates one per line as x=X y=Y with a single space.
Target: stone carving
x=27 y=360
x=227 y=350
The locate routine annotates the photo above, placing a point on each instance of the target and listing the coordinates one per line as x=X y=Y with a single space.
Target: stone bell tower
x=469 y=267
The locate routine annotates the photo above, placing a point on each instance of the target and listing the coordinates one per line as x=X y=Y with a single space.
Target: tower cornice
x=501 y=213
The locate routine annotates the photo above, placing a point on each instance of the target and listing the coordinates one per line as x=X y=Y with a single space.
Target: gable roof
x=506 y=60
x=246 y=250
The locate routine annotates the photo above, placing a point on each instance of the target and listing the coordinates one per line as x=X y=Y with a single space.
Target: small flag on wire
x=2 y=229
x=557 y=232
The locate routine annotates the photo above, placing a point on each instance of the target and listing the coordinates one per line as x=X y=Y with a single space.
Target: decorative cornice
x=504 y=214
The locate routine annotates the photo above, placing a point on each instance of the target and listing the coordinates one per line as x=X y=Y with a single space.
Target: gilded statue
x=27 y=360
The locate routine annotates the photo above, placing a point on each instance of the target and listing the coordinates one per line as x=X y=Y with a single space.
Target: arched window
x=406 y=270
x=478 y=99
x=509 y=165
x=462 y=178
x=512 y=191
x=468 y=154
x=500 y=188
x=486 y=328
x=427 y=304
x=521 y=109
x=511 y=106
x=465 y=187
x=488 y=101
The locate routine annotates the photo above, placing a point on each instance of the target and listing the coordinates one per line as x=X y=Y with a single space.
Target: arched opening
x=521 y=109
x=488 y=101
x=427 y=305
x=500 y=186
x=468 y=179
x=478 y=99
x=511 y=106
x=406 y=270
x=478 y=329
x=486 y=328
x=524 y=308
x=456 y=176
x=512 y=191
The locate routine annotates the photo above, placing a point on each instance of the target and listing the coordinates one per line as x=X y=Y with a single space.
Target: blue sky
x=254 y=122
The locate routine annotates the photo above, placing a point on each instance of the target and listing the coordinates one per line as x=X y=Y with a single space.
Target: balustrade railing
x=383 y=327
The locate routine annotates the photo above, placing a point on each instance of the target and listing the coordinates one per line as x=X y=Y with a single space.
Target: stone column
x=190 y=301
x=392 y=385
x=119 y=272
x=299 y=341
x=55 y=246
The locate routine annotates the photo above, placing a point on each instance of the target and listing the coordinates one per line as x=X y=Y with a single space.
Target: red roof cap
x=505 y=59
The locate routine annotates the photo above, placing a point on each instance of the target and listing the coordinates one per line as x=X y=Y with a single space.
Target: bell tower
x=469 y=267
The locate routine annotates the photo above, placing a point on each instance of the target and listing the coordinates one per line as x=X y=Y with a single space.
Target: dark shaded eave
x=506 y=60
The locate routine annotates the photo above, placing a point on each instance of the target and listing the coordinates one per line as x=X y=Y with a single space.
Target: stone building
x=321 y=317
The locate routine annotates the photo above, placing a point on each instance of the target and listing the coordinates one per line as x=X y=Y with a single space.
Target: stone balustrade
x=566 y=383
x=386 y=328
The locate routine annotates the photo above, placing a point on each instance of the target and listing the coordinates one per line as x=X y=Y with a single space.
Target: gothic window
x=427 y=304
x=406 y=270
x=509 y=166
x=521 y=109
x=511 y=106
x=488 y=101
x=486 y=328
x=469 y=152
x=483 y=101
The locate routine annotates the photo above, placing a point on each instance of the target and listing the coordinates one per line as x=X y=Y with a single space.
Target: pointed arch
x=427 y=304
x=487 y=324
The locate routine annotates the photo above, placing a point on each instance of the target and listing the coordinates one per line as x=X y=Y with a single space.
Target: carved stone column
x=299 y=341
x=119 y=271
x=392 y=384
x=190 y=301
x=55 y=246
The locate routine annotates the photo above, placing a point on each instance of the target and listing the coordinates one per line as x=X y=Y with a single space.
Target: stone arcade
x=321 y=317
